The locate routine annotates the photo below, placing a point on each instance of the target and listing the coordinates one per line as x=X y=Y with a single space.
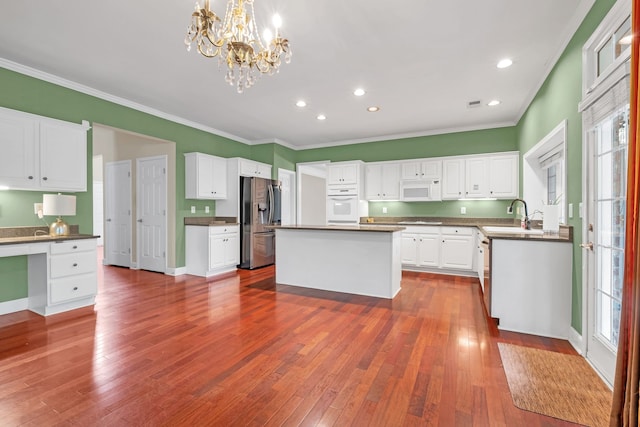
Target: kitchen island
x=362 y=260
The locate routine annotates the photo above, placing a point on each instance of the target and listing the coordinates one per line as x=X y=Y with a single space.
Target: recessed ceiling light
x=504 y=63
x=493 y=103
x=321 y=117
x=359 y=92
x=373 y=109
x=301 y=104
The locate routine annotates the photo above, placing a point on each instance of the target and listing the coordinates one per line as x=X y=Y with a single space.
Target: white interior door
x=605 y=219
x=151 y=206
x=117 y=213
x=287 y=180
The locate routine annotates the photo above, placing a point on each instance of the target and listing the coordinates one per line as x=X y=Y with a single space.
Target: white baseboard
x=176 y=271
x=14 y=305
x=575 y=339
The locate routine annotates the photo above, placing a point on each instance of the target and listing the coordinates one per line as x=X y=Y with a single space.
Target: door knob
x=587 y=246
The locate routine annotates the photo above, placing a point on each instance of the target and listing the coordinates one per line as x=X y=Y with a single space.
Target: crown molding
x=51 y=78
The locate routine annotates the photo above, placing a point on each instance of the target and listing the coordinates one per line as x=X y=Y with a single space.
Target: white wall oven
x=343 y=206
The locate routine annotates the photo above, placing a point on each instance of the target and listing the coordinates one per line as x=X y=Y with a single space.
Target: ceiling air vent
x=474 y=104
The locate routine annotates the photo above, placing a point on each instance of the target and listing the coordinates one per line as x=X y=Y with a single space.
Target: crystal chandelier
x=236 y=41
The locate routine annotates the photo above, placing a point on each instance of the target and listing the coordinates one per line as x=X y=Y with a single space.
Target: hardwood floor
x=243 y=351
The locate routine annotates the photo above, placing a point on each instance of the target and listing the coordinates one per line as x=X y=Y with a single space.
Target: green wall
x=452 y=144
x=558 y=100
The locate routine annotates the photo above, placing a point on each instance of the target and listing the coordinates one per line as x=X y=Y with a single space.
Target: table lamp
x=58 y=205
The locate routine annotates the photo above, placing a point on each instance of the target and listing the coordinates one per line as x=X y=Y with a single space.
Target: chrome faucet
x=527 y=222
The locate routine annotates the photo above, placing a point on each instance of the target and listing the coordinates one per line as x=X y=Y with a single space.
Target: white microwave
x=425 y=190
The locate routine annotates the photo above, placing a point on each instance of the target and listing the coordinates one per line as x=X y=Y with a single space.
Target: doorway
x=312 y=193
x=287 y=180
x=117 y=145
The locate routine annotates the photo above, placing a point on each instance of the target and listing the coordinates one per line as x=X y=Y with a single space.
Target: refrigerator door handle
x=271 y=204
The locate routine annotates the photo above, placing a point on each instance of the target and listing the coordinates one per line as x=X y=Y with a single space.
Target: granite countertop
x=43 y=238
x=362 y=227
x=207 y=221
x=565 y=234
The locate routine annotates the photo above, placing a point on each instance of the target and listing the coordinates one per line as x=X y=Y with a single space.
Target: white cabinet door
x=219 y=178
x=18 y=146
x=199 y=176
x=263 y=170
x=409 y=249
x=63 y=157
x=456 y=252
x=391 y=181
x=476 y=173
x=232 y=250
x=217 y=246
x=504 y=176
x=431 y=169
x=411 y=171
x=429 y=250
x=373 y=182
x=453 y=179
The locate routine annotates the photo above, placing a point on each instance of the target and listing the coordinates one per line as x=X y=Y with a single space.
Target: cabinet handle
x=140 y=220
x=75 y=288
x=44 y=178
x=30 y=177
x=75 y=264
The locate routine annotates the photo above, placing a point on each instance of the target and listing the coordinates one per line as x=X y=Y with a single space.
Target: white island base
x=354 y=260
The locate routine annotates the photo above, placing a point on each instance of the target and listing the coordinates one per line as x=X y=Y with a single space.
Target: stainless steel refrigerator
x=259 y=207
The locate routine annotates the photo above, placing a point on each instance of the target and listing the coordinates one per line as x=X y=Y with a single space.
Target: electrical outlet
x=193 y=209
x=206 y=209
x=510 y=210
x=463 y=210
x=570 y=210
x=384 y=209
x=37 y=208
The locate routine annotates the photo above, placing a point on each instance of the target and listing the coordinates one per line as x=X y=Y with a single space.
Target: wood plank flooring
x=242 y=351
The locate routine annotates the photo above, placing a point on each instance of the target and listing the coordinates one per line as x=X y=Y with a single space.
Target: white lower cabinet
x=212 y=250
x=442 y=248
x=421 y=249
x=456 y=250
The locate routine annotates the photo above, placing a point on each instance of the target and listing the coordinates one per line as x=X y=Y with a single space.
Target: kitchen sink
x=511 y=230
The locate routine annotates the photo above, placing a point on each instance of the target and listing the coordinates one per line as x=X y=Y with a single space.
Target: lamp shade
x=58 y=204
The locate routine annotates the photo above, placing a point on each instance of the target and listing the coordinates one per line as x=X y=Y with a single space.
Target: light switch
x=193 y=209
x=206 y=209
x=580 y=210
x=463 y=210
x=570 y=210
x=384 y=209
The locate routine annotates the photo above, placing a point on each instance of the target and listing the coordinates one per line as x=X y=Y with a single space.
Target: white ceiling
x=420 y=61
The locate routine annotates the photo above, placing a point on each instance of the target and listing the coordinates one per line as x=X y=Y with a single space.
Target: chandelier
x=236 y=42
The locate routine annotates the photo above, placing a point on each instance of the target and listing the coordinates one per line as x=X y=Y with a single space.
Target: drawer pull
x=75 y=246
x=75 y=288
x=75 y=264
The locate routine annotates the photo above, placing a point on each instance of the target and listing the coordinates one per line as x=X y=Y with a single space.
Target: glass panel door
x=607 y=217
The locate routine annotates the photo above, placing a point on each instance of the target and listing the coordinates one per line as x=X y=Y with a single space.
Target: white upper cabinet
x=426 y=169
x=205 y=176
x=42 y=154
x=63 y=157
x=253 y=168
x=476 y=178
x=504 y=176
x=453 y=183
x=18 y=140
x=382 y=181
x=343 y=173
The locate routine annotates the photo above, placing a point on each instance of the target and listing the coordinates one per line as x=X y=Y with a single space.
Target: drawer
x=74 y=263
x=421 y=229
x=223 y=229
x=73 y=287
x=461 y=231
x=71 y=246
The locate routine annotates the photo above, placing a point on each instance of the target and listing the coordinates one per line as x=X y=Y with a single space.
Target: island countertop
x=375 y=228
